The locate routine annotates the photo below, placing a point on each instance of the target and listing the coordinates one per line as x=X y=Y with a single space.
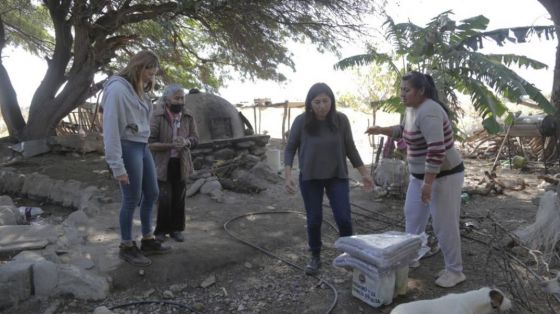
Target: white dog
x=552 y=285
x=481 y=301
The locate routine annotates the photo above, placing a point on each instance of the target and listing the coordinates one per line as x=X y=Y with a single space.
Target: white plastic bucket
x=273 y=159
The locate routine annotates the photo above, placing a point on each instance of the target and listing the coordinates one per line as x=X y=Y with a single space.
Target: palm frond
x=390 y=105
x=520 y=35
x=498 y=77
x=520 y=61
x=365 y=59
x=483 y=100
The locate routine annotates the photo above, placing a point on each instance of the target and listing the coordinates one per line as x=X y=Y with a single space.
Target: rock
x=246 y=144
x=10 y=215
x=141 y=272
x=6 y=200
x=102 y=310
x=81 y=284
x=245 y=182
x=82 y=262
x=195 y=187
x=198 y=163
x=198 y=306
x=249 y=161
x=16 y=283
x=148 y=293
x=217 y=195
x=241 y=308
x=263 y=171
x=26 y=237
x=168 y=294
x=77 y=219
x=210 y=186
x=262 y=140
x=45 y=278
x=258 y=150
x=208 y=281
x=224 y=154
x=51 y=309
x=201 y=151
x=177 y=288
x=12 y=181
x=248 y=265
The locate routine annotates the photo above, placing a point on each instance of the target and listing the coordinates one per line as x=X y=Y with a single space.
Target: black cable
x=335 y=292
x=153 y=302
x=395 y=221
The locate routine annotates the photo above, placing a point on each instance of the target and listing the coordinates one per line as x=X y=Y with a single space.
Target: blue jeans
x=142 y=189
x=338 y=192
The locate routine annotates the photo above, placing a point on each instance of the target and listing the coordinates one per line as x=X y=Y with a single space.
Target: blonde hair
x=133 y=71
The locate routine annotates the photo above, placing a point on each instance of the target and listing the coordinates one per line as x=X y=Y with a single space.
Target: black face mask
x=176 y=108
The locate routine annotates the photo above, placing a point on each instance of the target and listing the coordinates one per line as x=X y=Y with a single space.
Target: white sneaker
x=441 y=272
x=450 y=279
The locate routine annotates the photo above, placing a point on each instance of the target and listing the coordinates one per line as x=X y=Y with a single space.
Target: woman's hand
x=426 y=193
x=290 y=185
x=367 y=181
x=181 y=143
x=373 y=130
x=123 y=179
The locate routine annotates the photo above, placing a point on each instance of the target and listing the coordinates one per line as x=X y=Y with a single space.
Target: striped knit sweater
x=429 y=138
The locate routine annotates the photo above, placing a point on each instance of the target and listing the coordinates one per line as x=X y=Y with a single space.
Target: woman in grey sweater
x=323 y=139
x=126 y=129
x=436 y=169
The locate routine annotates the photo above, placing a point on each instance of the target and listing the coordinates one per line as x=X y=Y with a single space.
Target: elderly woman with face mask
x=173 y=135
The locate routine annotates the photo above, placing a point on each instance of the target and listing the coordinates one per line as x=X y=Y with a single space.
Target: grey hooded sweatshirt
x=126 y=116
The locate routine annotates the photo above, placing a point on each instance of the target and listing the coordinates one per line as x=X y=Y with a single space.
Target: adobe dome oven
x=224 y=136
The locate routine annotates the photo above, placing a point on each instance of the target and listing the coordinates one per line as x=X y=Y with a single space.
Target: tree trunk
x=44 y=119
x=9 y=106
x=553 y=8
x=11 y=113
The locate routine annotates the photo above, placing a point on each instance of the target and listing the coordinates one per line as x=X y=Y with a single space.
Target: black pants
x=171 y=209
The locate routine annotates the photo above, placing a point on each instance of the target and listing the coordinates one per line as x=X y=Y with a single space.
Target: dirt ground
x=248 y=281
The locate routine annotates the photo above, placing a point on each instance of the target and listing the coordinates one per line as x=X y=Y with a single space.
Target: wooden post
x=500 y=149
x=284 y=115
x=255 y=117
x=260 y=119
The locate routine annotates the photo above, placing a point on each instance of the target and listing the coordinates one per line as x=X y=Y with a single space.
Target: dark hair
x=310 y=119
x=194 y=91
x=419 y=80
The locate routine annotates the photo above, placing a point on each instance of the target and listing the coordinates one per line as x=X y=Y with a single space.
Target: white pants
x=445 y=209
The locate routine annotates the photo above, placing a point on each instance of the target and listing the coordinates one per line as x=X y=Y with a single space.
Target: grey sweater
x=322 y=155
x=429 y=137
x=126 y=116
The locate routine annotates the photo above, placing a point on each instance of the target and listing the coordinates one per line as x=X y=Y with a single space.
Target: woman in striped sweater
x=436 y=169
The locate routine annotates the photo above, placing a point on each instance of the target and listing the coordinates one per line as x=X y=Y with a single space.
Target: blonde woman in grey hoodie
x=126 y=129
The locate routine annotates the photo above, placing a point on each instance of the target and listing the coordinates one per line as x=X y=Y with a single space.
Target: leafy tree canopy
x=448 y=50
x=199 y=42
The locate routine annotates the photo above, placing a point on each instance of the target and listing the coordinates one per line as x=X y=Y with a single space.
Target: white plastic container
x=401 y=280
x=273 y=159
x=30 y=211
x=375 y=289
